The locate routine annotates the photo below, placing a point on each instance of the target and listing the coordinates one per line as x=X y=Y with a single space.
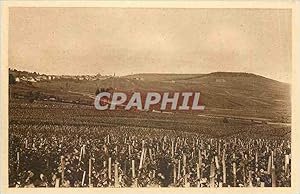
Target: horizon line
x=158 y=73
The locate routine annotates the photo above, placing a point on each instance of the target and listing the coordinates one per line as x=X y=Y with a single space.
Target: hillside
x=221 y=92
x=162 y=76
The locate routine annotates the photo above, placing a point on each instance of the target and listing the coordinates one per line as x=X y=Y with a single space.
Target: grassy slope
x=239 y=94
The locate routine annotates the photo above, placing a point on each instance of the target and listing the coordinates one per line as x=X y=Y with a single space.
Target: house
x=31 y=79
x=139 y=78
x=220 y=80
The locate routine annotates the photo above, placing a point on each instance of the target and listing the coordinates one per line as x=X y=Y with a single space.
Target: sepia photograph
x=155 y=97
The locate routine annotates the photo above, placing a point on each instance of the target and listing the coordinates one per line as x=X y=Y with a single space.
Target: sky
x=123 y=41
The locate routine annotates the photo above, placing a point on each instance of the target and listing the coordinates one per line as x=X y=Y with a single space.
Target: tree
x=97 y=91
x=12 y=79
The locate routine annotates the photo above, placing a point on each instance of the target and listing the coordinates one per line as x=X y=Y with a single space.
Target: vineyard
x=70 y=145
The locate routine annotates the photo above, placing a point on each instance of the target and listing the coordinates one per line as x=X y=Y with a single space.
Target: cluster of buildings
x=30 y=77
x=34 y=79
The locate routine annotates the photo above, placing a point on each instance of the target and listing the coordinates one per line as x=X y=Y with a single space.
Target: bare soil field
x=53 y=113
